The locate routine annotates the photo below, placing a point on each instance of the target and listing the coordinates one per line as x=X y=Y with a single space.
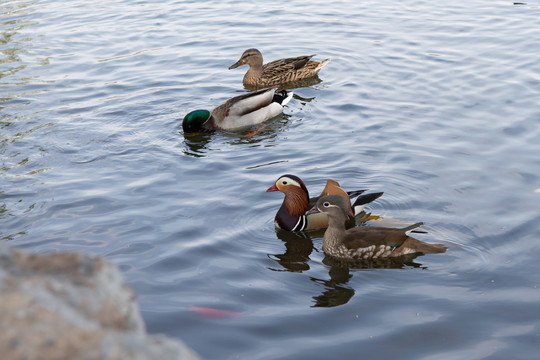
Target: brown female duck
x=295 y=214
x=365 y=242
x=278 y=71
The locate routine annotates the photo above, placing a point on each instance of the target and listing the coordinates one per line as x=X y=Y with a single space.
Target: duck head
x=195 y=120
x=296 y=194
x=335 y=206
x=251 y=57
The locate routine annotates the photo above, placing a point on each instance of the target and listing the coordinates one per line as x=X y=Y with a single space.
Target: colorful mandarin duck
x=295 y=214
x=278 y=71
x=238 y=112
x=365 y=242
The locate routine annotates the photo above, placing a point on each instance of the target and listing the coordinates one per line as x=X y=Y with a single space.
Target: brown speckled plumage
x=276 y=72
x=365 y=242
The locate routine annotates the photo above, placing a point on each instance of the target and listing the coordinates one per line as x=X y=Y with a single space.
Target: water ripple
x=434 y=105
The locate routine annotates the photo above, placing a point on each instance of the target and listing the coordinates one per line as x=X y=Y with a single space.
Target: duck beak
x=313 y=210
x=272 y=188
x=236 y=64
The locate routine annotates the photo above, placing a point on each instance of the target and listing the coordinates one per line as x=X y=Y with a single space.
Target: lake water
x=434 y=103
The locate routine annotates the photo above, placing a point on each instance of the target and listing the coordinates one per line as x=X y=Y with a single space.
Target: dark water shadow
x=198 y=144
x=336 y=290
x=296 y=258
x=260 y=133
x=298 y=248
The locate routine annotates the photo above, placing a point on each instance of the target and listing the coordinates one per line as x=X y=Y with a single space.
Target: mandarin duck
x=238 y=112
x=295 y=214
x=278 y=71
x=365 y=242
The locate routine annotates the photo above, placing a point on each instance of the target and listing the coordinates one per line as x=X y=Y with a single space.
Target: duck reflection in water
x=309 y=82
x=298 y=247
x=296 y=258
x=198 y=144
x=336 y=290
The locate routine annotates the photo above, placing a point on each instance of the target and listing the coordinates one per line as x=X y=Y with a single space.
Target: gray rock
x=73 y=306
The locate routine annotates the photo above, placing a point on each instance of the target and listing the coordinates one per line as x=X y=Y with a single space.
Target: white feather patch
x=253 y=101
x=236 y=120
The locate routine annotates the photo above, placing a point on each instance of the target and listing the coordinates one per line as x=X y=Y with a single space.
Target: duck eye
x=326 y=204
x=284 y=182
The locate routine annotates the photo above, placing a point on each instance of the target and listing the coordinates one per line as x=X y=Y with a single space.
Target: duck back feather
x=248 y=109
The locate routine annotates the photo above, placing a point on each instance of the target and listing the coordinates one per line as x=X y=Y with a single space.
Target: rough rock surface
x=73 y=306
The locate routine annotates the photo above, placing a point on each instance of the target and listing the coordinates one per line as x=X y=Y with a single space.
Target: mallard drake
x=365 y=242
x=278 y=71
x=238 y=112
x=295 y=214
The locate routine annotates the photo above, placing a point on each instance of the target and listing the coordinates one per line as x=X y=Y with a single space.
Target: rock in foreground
x=73 y=306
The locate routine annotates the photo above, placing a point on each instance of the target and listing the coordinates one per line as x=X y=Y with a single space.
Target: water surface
x=434 y=104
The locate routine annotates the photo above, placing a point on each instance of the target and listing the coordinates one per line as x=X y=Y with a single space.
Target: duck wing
x=287 y=64
x=244 y=104
x=361 y=201
x=364 y=236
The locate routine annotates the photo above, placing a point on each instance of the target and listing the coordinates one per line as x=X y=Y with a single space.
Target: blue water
x=436 y=104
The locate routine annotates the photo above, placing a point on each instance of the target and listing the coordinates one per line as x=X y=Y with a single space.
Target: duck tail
x=282 y=97
x=413 y=228
x=355 y=193
x=422 y=247
x=322 y=64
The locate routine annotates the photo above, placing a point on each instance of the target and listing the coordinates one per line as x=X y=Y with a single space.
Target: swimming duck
x=295 y=214
x=365 y=242
x=240 y=111
x=278 y=71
